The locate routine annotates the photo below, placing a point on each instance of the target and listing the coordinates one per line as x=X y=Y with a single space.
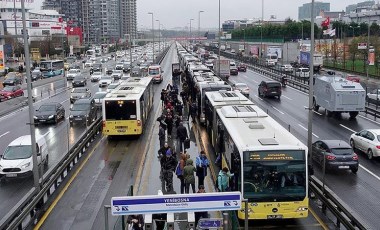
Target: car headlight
x=82 y=81
x=24 y=166
x=71 y=116
x=51 y=116
x=11 y=82
x=35 y=117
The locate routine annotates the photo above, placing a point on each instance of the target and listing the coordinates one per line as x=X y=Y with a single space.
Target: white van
x=155 y=72
x=17 y=160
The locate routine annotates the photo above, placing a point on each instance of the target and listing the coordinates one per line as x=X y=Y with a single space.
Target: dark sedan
x=12 y=79
x=335 y=154
x=234 y=70
x=242 y=67
x=49 y=113
x=9 y=92
x=79 y=81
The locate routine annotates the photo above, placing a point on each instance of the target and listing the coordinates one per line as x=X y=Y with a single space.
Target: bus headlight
x=301 y=209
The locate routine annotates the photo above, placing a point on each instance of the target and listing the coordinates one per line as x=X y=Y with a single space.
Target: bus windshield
x=274 y=176
x=120 y=110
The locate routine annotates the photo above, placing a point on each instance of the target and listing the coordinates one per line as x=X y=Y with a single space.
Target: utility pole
x=311 y=90
x=36 y=176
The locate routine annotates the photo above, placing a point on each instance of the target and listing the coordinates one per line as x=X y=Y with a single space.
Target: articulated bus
x=268 y=162
x=126 y=109
x=52 y=68
x=216 y=100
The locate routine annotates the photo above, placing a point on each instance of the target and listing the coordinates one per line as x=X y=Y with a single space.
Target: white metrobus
x=126 y=109
x=268 y=162
x=216 y=100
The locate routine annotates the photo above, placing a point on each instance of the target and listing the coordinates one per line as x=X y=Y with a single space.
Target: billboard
x=254 y=50
x=275 y=50
x=371 y=57
x=305 y=58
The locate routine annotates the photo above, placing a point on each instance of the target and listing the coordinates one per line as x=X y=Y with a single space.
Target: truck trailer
x=338 y=95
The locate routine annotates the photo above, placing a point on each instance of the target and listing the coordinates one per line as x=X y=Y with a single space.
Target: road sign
x=176 y=203
x=210 y=223
x=362 y=46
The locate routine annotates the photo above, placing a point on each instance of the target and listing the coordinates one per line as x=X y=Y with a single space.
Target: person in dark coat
x=179 y=108
x=181 y=136
x=168 y=165
x=169 y=122
x=161 y=136
x=137 y=221
x=199 y=215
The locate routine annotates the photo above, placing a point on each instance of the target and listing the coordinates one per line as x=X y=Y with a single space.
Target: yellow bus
x=126 y=109
x=268 y=162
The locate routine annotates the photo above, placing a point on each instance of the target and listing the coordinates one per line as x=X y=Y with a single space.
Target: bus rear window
x=120 y=110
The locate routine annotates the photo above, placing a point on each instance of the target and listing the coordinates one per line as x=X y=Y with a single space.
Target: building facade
x=304 y=11
x=359 y=7
x=71 y=9
x=128 y=18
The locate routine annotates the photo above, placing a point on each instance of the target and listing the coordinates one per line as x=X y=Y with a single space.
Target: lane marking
x=278 y=110
x=323 y=225
x=287 y=98
x=368 y=171
x=258 y=97
x=307 y=130
x=60 y=195
x=369 y=119
x=320 y=114
x=4 y=134
x=348 y=128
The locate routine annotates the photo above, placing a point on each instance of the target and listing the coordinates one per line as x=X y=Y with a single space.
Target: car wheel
x=55 y=119
x=370 y=154
x=258 y=93
x=46 y=160
x=22 y=94
x=352 y=143
x=315 y=106
x=354 y=169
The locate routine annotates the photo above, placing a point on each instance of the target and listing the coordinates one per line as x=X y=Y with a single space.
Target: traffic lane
x=359 y=192
x=81 y=207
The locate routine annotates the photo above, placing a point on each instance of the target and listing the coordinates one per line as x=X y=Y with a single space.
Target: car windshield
x=73 y=71
x=305 y=70
x=97 y=73
x=47 y=108
x=12 y=78
x=153 y=71
x=117 y=71
x=99 y=95
x=342 y=151
x=79 y=90
x=79 y=78
x=112 y=86
x=12 y=74
x=80 y=107
x=7 y=89
x=35 y=73
x=17 y=152
x=241 y=86
x=106 y=78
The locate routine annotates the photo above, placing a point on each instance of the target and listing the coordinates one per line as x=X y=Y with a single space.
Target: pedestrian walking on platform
x=163 y=95
x=188 y=174
x=169 y=122
x=182 y=164
x=202 y=163
x=224 y=180
x=168 y=165
x=181 y=136
x=193 y=111
x=136 y=222
x=161 y=136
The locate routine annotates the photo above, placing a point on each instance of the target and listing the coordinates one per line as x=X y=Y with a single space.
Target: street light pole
x=261 y=33
x=220 y=34
x=190 y=30
x=159 y=34
x=36 y=176
x=199 y=22
x=311 y=90
x=369 y=26
x=152 y=34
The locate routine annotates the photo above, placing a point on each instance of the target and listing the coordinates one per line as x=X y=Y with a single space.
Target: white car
x=287 y=68
x=98 y=98
x=72 y=73
x=117 y=74
x=270 y=62
x=374 y=96
x=96 y=76
x=105 y=81
x=88 y=64
x=242 y=88
x=368 y=141
x=112 y=86
x=302 y=72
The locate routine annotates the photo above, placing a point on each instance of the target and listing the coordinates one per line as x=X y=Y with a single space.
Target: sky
x=177 y=13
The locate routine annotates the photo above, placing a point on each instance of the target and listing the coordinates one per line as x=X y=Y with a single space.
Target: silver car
x=367 y=141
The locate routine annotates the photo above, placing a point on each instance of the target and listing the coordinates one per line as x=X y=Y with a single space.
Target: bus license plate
x=343 y=167
x=11 y=175
x=121 y=130
x=274 y=217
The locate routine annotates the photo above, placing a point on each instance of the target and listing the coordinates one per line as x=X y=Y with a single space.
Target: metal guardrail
x=341 y=210
x=27 y=209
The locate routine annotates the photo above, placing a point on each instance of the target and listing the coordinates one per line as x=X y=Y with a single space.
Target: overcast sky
x=177 y=13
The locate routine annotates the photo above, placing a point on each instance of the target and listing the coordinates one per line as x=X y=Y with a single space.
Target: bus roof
x=222 y=97
x=252 y=129
x=213 y=84
x=126 y=93
x=136 y=81
x=52 y=60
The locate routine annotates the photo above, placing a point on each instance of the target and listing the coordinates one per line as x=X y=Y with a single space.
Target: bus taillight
x=138 y=123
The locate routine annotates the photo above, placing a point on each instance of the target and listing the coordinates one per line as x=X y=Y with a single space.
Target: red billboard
x=75 y=31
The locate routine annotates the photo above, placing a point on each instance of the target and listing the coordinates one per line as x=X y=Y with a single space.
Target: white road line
x=348 y=128
x=258 y=97
x=368 y=171
x=287 y=97
x=320 y=114
x=4 y=134
x=278 y=110
x=369 y=119
x=307 y=130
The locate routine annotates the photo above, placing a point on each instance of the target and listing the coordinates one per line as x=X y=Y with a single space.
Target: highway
x=112 y=166
x=60 y=137
x=357 y=191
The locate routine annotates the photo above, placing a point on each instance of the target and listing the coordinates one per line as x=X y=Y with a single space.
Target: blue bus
x=52 y=68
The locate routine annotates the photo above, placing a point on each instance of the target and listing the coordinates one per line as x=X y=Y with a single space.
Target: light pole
x=244 y=38
x=220 y=34
x=311 y=85
x=353 y=30
x=369 y=26
x=159 y=36
x=152 y=34
x=199 y=22
x=190 y=29
x=261 y=32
